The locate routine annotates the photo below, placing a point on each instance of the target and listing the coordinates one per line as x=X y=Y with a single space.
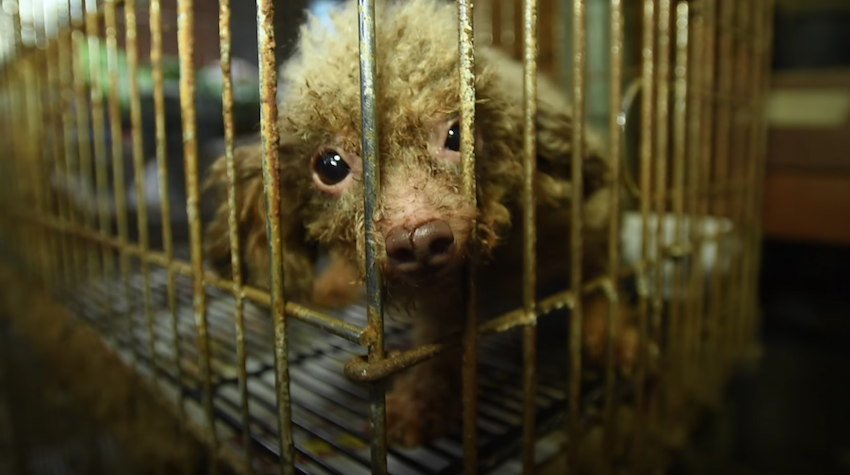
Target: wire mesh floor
x=329 y=412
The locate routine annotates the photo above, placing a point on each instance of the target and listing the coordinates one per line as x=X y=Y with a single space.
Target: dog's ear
x=555 y=148
x=250 y=223
x=555 y=157
x=554 y=130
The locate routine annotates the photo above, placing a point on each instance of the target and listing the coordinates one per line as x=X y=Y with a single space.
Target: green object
x=208 y=81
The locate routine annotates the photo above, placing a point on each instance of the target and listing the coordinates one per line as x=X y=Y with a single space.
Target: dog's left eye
x=453 y=138
x=331 y=168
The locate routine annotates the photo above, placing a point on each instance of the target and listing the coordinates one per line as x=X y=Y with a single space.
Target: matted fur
x=417 y=87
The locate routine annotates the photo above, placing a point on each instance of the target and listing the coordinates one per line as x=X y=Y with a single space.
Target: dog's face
x=423 y=220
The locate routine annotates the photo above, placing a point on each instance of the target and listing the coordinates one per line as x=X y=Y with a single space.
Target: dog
x=423 y=222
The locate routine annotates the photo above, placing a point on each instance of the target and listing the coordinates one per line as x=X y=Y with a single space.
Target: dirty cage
x=109 y=110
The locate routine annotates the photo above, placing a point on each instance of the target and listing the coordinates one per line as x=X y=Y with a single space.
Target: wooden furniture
x=807 y=188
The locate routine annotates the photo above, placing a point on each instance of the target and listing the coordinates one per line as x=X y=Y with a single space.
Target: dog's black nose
x=423 y=250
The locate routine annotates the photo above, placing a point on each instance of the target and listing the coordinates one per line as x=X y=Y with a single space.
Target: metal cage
x=676 y=85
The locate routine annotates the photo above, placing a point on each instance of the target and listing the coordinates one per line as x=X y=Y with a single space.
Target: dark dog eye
x=453 y=138
x=331 y=168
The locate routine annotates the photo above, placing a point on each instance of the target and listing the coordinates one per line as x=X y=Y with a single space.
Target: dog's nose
x=426 y=248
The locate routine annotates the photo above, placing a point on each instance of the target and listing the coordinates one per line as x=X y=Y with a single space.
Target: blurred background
x=791 y=414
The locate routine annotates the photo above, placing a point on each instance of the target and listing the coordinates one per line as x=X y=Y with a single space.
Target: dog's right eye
x=453 y=138
x=331 y=168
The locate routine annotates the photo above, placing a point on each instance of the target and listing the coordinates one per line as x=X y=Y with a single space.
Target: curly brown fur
x=417 y=87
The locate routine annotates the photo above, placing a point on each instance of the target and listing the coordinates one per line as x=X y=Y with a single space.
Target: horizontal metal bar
x=344 y=329
x=359 y=369
x=332 y=325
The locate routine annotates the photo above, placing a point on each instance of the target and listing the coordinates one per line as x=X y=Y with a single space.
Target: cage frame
x=732 y=35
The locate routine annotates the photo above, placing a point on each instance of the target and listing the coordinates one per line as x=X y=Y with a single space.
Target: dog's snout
x=424 y=249
x=432 y=240
x=400 y=247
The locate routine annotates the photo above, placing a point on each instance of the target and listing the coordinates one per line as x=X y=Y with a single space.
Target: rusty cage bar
x=676 y=89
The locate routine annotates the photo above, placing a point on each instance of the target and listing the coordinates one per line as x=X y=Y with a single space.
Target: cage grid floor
x=329 y=412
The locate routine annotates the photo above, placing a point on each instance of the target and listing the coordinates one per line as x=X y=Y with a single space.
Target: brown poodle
x=423 y=221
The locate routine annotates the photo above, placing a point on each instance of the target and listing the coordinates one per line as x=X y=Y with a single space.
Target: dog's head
x=423 y=220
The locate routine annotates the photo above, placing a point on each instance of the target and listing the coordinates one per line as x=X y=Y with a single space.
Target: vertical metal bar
x=100 y=159
x=19 y=153
x=52 y=164
x=83 y=135
x=33 y=160
x=529 y=230
x=743 y=102
x=485 y=25
x=235 y=252
x=39 y=160
x=696 y=218
x=507 y=35
x=10 y=32
x=46 y=162
x=576 y=218
x=615 y=121
x=44 y=165
x=764 y=40
x=37 y=20
x=19 y=156
x=32 y=21
x=59 y=166
x=372 y=183
x=50 y=11
x=14 y=101
x=662 y=121
x=662 y=160
x=707 y=121
x=17 y=38
x=66 y=86
x=496 y=22
x=750 y=102
x=271 y=185
x=119 y=190
x=186 y=49
x=42 y=147
x=679 y=328
x=64 y=150
x=52 y=167
x=132 y=52
x=721 y=174
x=750 y=276
x=646 y=142
x=162 y=178
x=466 y=91
x=15 y=157
x=563 y=40
x=49 y=165
x=731 y=295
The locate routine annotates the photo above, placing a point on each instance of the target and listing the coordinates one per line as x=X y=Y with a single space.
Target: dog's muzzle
x=420 y=252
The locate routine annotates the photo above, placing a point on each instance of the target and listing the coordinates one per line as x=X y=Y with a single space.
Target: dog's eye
x=331 y=168
x=453 y=138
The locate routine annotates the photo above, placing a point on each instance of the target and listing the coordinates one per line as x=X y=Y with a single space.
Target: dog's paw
x=418 y=412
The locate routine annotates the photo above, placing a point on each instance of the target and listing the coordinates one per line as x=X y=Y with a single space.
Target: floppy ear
x=555 y=181
x=554 y=136
x=251 y=225
x=555 y=148
x=555 y=157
